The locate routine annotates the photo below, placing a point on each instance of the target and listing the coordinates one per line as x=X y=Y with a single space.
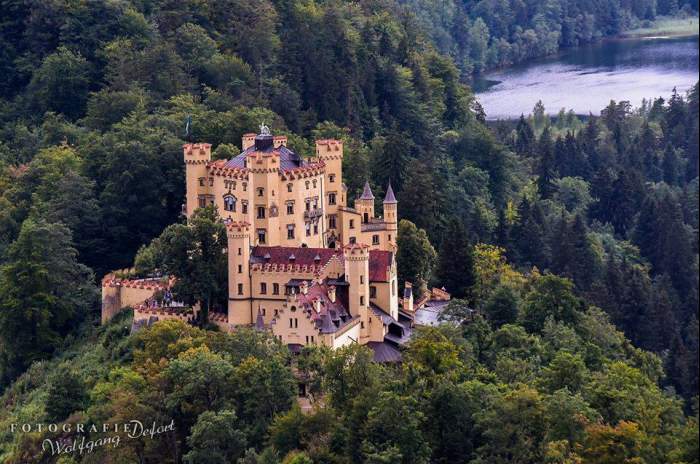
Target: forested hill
x=575 y=241
x=480 y=34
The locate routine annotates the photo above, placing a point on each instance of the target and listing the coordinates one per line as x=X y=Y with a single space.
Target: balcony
x=313 y=214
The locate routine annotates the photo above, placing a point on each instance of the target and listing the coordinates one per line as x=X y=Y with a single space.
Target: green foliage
x=66 y=394
x=94 y=95
x=44 y=294
x=416 y=256
x=455 y=268
x=215 y=437
x=551 y=296
x=192 y=253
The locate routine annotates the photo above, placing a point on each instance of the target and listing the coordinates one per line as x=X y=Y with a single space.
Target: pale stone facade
x=301 y=262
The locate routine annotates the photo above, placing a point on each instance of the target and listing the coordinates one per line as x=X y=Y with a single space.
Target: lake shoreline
x=669 y=28
x=585 y=79
x=664 y=28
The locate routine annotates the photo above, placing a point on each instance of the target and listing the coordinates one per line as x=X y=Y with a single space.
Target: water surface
x=585 y=79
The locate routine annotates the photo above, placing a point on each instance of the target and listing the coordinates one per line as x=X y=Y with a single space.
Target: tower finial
x=264 y=130
x=367 y=192
x=389 y=198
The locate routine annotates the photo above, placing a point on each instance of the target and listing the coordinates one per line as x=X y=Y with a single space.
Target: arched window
x=229 y=203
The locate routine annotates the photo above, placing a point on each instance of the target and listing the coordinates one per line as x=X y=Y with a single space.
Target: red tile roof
x=379 y=264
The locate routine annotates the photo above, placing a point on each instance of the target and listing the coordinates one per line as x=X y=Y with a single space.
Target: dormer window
x=229 y=203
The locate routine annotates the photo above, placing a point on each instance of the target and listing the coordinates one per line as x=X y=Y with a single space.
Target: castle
x=301 y=262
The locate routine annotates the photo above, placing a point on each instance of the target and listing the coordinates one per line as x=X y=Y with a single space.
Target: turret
x=357 y=275
x=240 y=311
x=365 y=204
x=391 y=215
x=196 y=156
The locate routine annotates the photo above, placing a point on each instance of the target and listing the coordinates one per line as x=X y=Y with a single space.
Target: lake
x=585 y=79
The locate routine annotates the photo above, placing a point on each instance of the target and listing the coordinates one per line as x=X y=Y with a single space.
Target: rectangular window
x=240 y=289
x=261 y=212
x=290 y=208
x=244 y=207
x=275 y=289
x=263 y=288
x=362 y=279
x=240 y=269
x=331 y=221
x=291 y=322
x=290 y=231
x=308 y=229
x=308 y=205
x=375 y=239
x=373 y=292
x=362 y=301
x=331 y=198
x=315 y=228
x=331 y=178
x=211 y=182
x=261 y=236
x=352 y=223
x=201 y=181
x=352 y=240
x=201 y=201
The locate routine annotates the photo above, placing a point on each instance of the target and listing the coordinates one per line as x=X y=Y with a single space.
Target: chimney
x=248 y=141
x=408 y=297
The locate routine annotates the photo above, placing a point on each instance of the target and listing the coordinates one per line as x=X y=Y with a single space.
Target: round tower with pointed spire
x=365 y=204
x=391 y=214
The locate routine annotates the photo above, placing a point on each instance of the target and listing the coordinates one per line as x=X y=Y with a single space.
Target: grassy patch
x=666 y=27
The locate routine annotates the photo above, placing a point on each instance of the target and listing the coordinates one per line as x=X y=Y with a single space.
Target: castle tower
x=365 y=204
x=331 y=153
x=196 y=156
x=263 y=165
x=391 y=216
x=240 y=309
x=357 y=275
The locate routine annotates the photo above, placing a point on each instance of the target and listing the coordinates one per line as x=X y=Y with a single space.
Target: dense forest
x=574 y=238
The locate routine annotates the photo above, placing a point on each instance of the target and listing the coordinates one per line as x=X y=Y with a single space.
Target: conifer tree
x=547 y=168
x=524 y=138
x=456 y=263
